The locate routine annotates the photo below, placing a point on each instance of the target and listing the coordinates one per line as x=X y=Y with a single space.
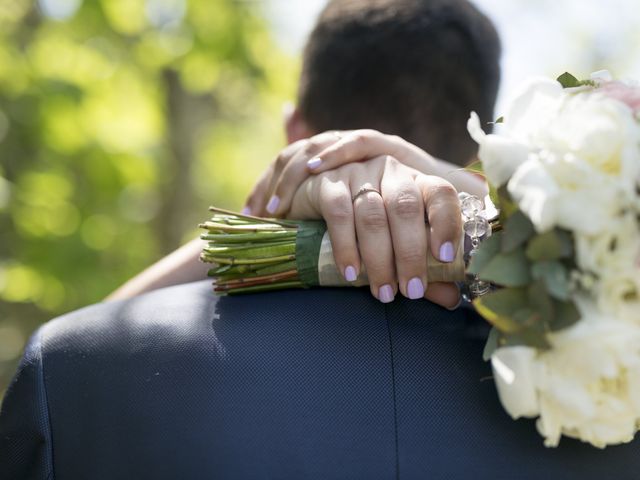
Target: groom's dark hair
x=414 y=68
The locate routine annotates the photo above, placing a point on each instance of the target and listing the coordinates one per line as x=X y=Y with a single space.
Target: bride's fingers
x=334 y=200
x=259 y=197
x=256 y=200
x=291 y=177
x=372 y=230
x=443 y=214
x=405 y=211
x=290 y=171
x=361 y=145
x=266 y=200
x=358 y=145
x=446 y=295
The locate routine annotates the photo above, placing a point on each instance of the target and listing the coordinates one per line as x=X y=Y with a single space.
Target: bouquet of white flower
x=564 y=170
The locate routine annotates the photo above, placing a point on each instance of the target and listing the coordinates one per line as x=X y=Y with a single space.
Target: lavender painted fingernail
x=385 y=294
x=314 y=163
x=447 y=254
x=350 y=274
x=246 y=211
x=272 y=206
x=415 y=288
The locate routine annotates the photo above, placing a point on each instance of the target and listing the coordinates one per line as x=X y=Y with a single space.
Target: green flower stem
x=243 y=228
x=258 y=280
x=252 y=251
x=248 y=218
x=225 y=238
x=263 y=288
x=280 y=267
x=247 y=261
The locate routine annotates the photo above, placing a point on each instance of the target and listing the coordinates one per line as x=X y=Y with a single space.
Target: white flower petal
x=534 y=190
x=513 y=373
x=501 y=157
x=601 y=76
x=534 y=104
x=475 y=129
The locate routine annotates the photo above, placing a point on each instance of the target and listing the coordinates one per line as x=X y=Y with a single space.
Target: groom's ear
x=295 y=126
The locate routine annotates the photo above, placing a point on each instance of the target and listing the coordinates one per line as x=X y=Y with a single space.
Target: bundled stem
x=250 y=254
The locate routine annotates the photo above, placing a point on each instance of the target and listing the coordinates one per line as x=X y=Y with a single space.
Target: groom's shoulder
x=161 y=314
x=178 y=313
x=189 y=313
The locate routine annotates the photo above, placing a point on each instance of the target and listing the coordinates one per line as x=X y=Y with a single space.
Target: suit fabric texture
x=317 y=384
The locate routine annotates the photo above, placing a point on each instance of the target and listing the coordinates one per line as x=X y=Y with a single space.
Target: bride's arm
x=180 y=266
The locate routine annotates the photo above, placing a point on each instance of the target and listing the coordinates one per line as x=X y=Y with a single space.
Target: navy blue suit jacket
x=319 y=384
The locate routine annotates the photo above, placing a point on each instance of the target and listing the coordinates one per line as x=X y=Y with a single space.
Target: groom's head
x=413 y=68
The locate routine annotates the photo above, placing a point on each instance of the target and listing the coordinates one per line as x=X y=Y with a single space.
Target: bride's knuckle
x=405 y=205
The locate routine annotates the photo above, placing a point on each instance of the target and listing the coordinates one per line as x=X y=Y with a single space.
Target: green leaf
x=517 y=230
x=494 y=196
x=566 y=243
x=566 y=315
x=509 y=269
x=568 y=81
x=506 y=205
x=491 y=345
x=526 y=317
x=475 y=167
x=531 y=337
x=517 y=317
x=551 y=245
x=540 y=301
x=499 y=307
x=499 y=120
x=486 y=252
x=555 y=277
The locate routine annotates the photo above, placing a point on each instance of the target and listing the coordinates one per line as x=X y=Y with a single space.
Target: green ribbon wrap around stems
x=308 y=242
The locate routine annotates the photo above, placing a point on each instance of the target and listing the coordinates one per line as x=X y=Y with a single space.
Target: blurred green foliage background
x=120 y=122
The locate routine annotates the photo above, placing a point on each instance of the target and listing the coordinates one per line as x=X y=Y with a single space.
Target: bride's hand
x=274 y=191
x=383 y=204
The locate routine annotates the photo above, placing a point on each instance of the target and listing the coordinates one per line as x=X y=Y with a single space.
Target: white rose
x=501 y=154
x=614 y=257
x=587 y=386
x=590 y=385
x=599 y=131
x=565 y=192
x=584 y=168
x=620 y=295
x=534 y=105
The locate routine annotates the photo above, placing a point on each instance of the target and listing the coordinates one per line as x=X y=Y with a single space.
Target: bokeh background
x=122 y=120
